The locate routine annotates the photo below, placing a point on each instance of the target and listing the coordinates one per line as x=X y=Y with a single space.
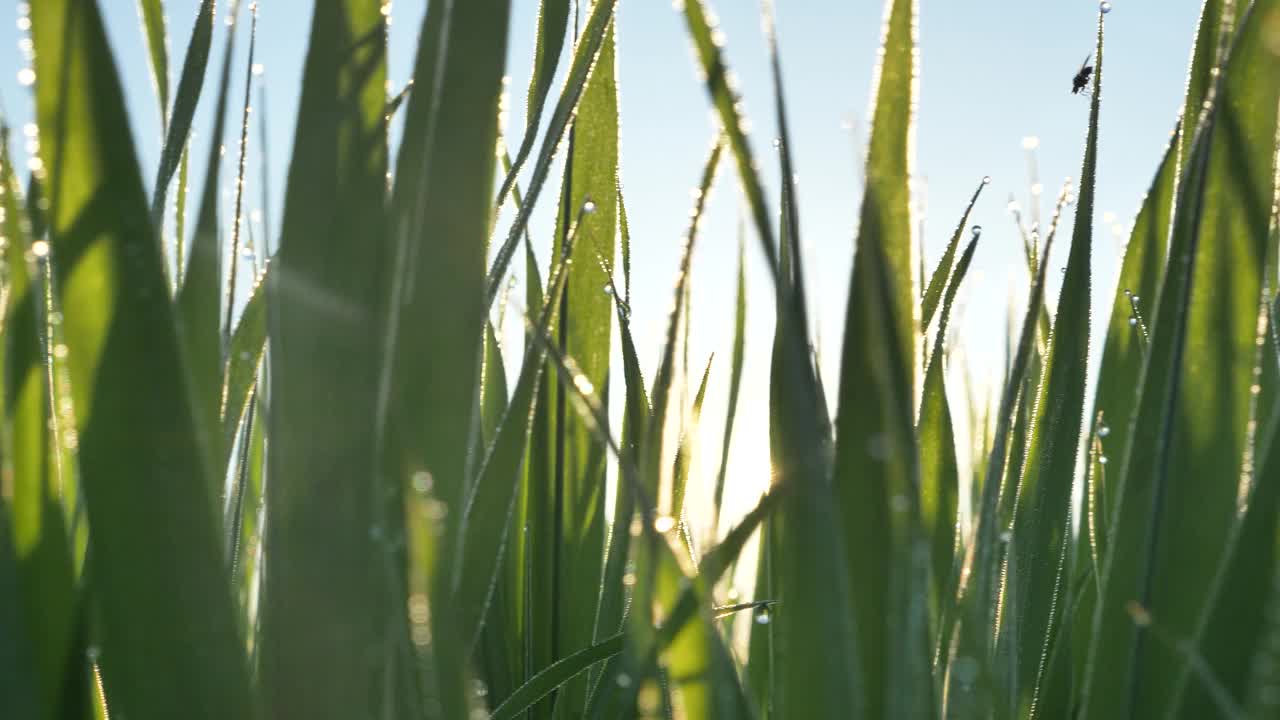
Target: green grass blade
x=1201 y=350
x=156 y=562
x=240 y=169
x=17 y=671
x=200 y=293
x=244 y=358
x=939 y=472
x=735 y=383
x=553 y=25
x=938 y=281
x=184 y=107
x=684 y=452
x=556 y=675
x=1213 y=36
x=876 y=475
x=327 y=566
x=1042 y=516
x=153 y=25
x=585 y=55
x=1123 y=354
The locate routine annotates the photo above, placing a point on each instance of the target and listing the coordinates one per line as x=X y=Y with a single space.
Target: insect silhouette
x=1081 y=80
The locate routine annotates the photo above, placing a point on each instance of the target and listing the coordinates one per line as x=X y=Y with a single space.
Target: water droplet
x=258 y=69
x=1128 y=292
x=589 y=207
x=1137 y=299
x=762 y=617
x=40 y=248
x=1104 y=431
x=1105 y=7
x=664 y=523
x=1037 y=189
x=629 y=579
x=623 y=680
x=777 y=142
x=1102 y=459
x=1133 y=322
x=93 y=652
x=422 y=481
x=608 y=290
x=1006 y=536
x=986 y=179
x=26 y=77
x=977 y=230
x=60 y=350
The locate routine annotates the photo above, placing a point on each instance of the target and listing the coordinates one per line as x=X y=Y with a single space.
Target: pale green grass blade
x=237 y=214
x=190 y=84
x=624 y=239
x=938 y=281
x=585 y=55
x=553 y=25
x=200 y=293
x=45 y=600
x=1123 y=354
x=684 y=453
x=939 y=472
x=585 y=327
x=1037 y=602
x=876 y=472
x=327 y=564
x=1202 y=345
x=153 y=26
x=244 y=358
x=735 y=383
x=157 y=569
x=180 y=218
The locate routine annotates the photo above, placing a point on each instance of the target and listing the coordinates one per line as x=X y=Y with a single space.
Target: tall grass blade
x=938 y=281
x=735 y=384
x=169 y=641
x=178 y=126
x=327 y=557
x=1201 y=365
x=1037 y=606
x=153 y=25
x=877 y=475
x=244 y=359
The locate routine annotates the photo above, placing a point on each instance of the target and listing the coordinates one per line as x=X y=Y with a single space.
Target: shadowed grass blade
x=190 y=84
x=153 y=26
x=157 y=567
x=327 y=565
x=1200 y=365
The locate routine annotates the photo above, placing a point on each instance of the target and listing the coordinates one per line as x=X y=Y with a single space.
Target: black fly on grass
x=1081 y=80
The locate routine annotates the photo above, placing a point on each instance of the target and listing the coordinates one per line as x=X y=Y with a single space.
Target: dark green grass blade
x=169 y=641
x=876 y=473
x=44 y=600
x=153 y=25
x=184 y=106
x=1123 y=354
x=938 y=282
x=1181 y=472
x=553 y=25
x=440 y=217
x=200 y=294
x=326 y=571
x=1263 y=671
x=735 y=384
x=1213 y=36
x=939 y=472
x=1036 y=596
x=17 y=672
x=585 y=54
x=556 y=675
x=585 y=326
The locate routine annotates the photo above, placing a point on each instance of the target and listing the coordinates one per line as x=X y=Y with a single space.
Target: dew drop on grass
x=1006 y=536
x=664 y=523
x=777 y=142
x=608 y=290
x=977 y=230
x=422 y=481
x=623 y=680
x=1105 y=7
x=986 y=179
x=93 y=653
x=762 y=617
x=1102 y=459
x=1104 y=431
x=1133 y=321
x=589 y=207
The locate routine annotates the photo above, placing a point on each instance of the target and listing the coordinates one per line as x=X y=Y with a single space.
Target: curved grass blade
x=585 y=55
x=190 y=84
x=1200 y=365
x=556 y=675
x=156 y=560
x=553 y=25
x=153 y=25
x=939 y=472
x=328 y=572
x=1036 y=596
x=938 y=281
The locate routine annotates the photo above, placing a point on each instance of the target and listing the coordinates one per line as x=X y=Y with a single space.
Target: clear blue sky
x=992 y=73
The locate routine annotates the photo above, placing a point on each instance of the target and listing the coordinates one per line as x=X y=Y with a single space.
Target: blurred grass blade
x=585 y=55
x=939 y=473
x=200 y=293
x=735 y=384
x=1200 y=365
x=556 y=675
x=44 y=601
x=17 y=672
x=1036 y=604
x=327 y=557
x=933 y=292
x=1120 y=373
x=553 y=25
x=876 y=473
x=156 y=561
x=178 y=126
x=153 y=26
x=244 y=358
